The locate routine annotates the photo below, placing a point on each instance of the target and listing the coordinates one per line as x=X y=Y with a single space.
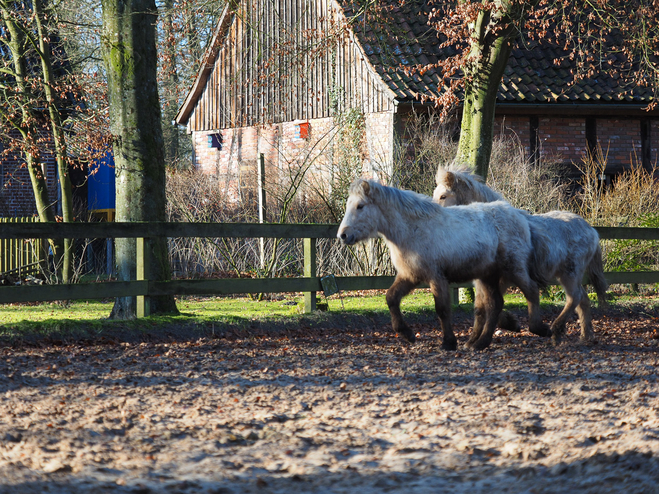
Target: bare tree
x=30 y=84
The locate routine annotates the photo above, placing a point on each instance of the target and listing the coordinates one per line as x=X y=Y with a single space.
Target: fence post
x=309 y=272
x=262 y=205
x=455 y=295
x=143 y=254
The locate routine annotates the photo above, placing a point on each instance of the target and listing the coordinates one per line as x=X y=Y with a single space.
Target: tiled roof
x=535 y=74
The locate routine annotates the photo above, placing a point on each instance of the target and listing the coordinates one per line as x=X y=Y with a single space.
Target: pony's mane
x=407 y=201
x=462 y=181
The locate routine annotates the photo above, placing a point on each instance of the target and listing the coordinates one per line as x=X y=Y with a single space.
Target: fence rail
x=143 y=287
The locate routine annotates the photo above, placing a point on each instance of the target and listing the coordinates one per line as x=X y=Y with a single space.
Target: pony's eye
x=360 y=206
x=442 y=197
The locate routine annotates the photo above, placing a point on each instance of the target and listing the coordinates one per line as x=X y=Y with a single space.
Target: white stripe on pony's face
x=444 y=196
x=360 y=220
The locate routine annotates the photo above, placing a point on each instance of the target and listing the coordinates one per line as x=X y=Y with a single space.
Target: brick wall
x=560 y=139
x=517 y=127
x=564 y=138
x=620 y=140
x=16 y=196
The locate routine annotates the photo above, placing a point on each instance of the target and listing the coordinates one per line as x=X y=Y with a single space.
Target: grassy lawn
x=208 y=309
x=17 y=320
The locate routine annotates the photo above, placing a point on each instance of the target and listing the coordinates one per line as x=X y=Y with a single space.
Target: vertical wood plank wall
x=276 y=64
x=20 y=254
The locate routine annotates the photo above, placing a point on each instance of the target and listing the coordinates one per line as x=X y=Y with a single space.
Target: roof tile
x=538 y=72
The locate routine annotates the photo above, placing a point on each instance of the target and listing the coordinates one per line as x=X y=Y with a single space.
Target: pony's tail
x=595 y=272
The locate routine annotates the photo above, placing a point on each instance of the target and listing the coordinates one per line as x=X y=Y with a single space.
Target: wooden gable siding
x=275 y=64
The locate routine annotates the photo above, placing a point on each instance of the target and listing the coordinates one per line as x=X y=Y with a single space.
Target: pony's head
x=361 y=217
x=459 y=186
x=448 y=187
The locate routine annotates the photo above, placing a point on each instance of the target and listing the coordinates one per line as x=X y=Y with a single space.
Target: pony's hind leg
x=585 y=318
x=574 y=293
x=491 y=302
x=441 y=294
x=395 y=294
x=480 y=312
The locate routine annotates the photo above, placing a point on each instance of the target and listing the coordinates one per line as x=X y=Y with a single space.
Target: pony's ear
x=366 y=187
x=439 y=176
x=450 y=179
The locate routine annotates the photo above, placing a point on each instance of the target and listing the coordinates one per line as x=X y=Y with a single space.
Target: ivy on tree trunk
x=129 y=51
x=493 y=36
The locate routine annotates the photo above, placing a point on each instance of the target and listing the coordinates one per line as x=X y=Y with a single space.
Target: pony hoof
x=556 y=340
x=542 y=331
x=508 y=322
x=589 y=341
x=408 y=335
x=450 y=345
x=478 y=346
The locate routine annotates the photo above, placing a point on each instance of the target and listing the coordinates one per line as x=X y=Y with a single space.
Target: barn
x=281 y=79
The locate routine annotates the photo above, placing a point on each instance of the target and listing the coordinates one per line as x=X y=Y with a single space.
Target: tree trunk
x=129 y=52
x=66 y=191
x=488 y=58
x=26 y=126
x=171 y=135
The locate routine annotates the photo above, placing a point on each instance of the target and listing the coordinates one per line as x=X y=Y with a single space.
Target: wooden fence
x=143 y=287
x=20 y=257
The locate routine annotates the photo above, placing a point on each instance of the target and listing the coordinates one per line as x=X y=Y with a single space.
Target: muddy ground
x=312 y=407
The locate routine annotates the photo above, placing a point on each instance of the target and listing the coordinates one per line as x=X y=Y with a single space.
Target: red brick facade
x=16 y=195
x=564 y=138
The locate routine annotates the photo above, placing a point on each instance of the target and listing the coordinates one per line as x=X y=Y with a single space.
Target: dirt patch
x=332 y=410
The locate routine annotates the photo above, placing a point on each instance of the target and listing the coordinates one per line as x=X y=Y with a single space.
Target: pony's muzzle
x=346 y=239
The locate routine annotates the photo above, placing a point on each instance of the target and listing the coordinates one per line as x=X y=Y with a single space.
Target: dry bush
x=537 y=189
x=195 y=197
x=627 y=201
x=632 y=199
x=427 y=144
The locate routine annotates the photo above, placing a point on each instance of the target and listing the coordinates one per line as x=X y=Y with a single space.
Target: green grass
x=226 y=309
x=84 y=318
x=206 y=309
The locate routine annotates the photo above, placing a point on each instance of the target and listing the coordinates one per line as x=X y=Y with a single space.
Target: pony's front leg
x=491 y=302
x=441 y=294
x=395 y=294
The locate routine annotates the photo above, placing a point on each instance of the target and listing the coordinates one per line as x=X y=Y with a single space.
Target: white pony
x=565 y=247
x=428 y=243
